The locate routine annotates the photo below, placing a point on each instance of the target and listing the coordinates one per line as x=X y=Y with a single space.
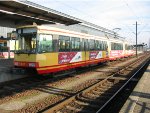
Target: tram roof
x=27 y=12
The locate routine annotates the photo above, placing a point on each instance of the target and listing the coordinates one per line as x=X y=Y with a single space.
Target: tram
x=51 y=50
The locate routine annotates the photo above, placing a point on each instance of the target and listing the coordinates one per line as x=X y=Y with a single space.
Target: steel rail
x=146 y=62
x=67 y=100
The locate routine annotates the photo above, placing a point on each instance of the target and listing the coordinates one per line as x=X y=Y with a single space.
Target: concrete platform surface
x=139 y=100
x=6 y=66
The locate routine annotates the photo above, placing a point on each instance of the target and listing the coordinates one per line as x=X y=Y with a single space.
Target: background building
x=5 y=30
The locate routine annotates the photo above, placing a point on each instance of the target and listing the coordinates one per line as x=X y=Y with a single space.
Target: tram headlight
x=32 y=64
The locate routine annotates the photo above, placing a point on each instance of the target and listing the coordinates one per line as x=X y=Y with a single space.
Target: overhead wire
x=93 y=17
x=77 y=10
x=134 y=14
x=146 y=25
x=90 y=16
x=131 y=10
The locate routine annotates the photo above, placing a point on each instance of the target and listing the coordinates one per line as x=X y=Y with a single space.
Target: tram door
x=85 y=49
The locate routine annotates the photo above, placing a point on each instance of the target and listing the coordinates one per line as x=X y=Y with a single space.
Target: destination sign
x=27 y=30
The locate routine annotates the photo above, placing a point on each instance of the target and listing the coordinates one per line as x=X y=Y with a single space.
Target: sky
x=110 y=14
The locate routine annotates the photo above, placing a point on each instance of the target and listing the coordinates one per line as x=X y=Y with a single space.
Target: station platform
x=139 y=100
x=6 y=74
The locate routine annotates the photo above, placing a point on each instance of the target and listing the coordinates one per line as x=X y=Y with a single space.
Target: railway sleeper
x=74 y=104
x=87 y=102
x=100 y=92
x=95 y=92
x=100 y=89
x=64 y=110
x=110 y=90
x=108 y=82
x=85 y=98
x=97 y=96
x=107 y=86
x=92 y=95
x=82 y=105
x=94 y=101
x=73 y=109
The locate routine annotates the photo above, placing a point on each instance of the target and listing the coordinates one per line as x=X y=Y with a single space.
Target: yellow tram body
x=54 y=61
x=50 y=49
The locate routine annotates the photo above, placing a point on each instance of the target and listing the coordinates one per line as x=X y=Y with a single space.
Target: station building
x=7 y=42
x=140 y=48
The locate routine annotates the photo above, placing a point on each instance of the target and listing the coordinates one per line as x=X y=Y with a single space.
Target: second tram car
x=50 y=50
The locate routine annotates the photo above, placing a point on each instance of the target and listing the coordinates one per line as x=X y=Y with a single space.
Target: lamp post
x=136 y=39
x=136 y=36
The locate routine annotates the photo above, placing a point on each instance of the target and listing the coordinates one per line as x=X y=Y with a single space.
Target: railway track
x=90 y=99
x=32 y=84
x=94 y=98
x=16 y=86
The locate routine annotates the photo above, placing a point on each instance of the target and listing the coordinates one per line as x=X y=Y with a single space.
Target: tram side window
x=82 y=45
x=92 y=45
x=64 y=43
x=105 y=45
x=75 y=44
x=86 y=44
x=126 y=47
x=102 y=45
x=45 y=43
x=97 y=44
x=129 y=47
x=116 y=46
x=121 y=46
x=112 y=46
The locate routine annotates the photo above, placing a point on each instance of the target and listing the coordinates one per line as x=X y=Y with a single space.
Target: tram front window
x=26 y=43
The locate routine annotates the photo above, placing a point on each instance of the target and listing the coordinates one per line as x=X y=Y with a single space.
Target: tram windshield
x=26 y=43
